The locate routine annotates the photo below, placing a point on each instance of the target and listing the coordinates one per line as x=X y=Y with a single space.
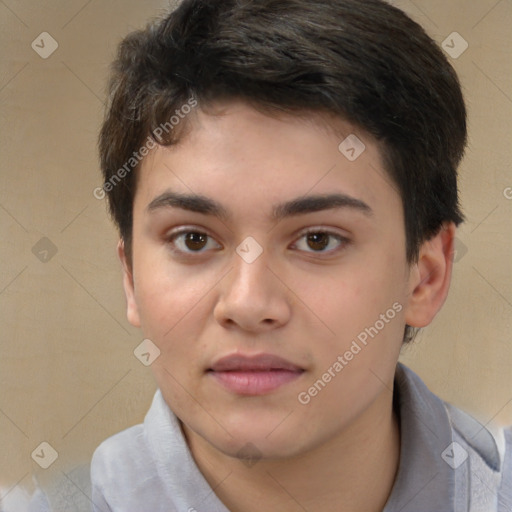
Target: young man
x=284 y=179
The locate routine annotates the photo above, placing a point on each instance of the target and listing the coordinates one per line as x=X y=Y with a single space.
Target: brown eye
x=318 y=241
x=187 y=241
x=195 y=241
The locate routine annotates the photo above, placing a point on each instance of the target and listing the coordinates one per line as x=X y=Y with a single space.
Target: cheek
x=357 y=362
x=168 y=298
x=364 y=311
x=352 y=299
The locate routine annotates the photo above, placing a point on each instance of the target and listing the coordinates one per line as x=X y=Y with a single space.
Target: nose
x=252 y=297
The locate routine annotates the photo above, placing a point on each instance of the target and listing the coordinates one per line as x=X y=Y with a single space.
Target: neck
x=334 y=476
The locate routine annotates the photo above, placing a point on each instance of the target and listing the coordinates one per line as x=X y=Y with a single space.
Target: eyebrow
x=299 y=206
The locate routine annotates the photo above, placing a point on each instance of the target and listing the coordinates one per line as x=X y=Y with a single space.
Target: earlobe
x=132 y=312
x=429 y=279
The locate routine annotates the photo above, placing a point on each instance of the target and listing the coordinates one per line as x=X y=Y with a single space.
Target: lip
x=254 y=375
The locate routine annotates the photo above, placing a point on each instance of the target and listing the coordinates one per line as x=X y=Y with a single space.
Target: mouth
x=254 y=375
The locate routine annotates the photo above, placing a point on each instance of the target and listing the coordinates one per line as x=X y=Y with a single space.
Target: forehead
x=251 y=159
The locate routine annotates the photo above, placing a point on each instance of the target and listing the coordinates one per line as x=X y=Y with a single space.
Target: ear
x=132 y=312
x=429 y=278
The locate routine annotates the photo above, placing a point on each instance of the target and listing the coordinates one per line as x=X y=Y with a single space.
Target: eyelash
x=187 y=230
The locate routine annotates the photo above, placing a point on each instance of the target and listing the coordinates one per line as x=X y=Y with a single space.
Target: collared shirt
x=448 y=462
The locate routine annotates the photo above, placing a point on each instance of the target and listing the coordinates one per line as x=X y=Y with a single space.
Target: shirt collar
x=424 y=482
x=186 y=485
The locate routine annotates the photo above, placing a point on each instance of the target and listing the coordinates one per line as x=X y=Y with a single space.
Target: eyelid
x=314 y=229
x=319 y=229
x=188 y=229
x=344 y=240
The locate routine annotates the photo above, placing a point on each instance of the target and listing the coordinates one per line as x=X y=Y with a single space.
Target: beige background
x=68 y=375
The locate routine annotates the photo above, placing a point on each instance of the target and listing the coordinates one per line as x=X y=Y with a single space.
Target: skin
x=295 y=301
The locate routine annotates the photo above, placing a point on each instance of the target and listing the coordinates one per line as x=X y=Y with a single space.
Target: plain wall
x=68 y=375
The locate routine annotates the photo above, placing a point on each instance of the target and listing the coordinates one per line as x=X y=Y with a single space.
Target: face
x=277 y=299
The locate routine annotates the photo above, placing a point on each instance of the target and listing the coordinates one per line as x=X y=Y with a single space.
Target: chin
x=256 y=438
x=252 y=447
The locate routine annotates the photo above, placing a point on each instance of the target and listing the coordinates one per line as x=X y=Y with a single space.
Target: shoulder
x=484 y=454
x=473 y=458
x=123 y=449
x=129 y=449
x=481 y=440
x=144 y=447
x=122 y=471
x=125 y=472
x=505 y=491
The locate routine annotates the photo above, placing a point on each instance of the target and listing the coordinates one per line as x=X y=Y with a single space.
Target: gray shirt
x=448 y=462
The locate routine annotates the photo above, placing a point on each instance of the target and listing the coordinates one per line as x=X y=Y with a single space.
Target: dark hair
x=362 y=60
